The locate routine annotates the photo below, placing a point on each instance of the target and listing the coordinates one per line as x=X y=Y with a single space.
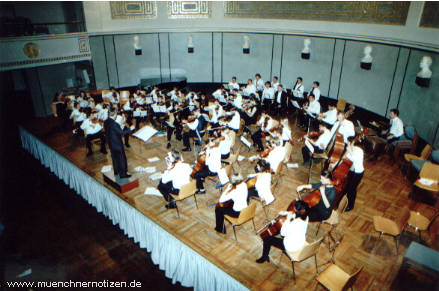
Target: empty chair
x=418 y=161
x=185 y=192
x=245 y=215
x=393 y=227
x=419 y=222
x=429 y=177
x=334 y=278
x=307 y=251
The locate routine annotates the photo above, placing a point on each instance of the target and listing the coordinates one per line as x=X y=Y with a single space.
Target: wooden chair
x=307 y=251
x=245 y=215
x=334 y=278
x=288 y=151
x=341 y=104
x=409 y=143
x=263 y=203
x=186 y=191
x=429 y=171
x=233 y=158
x=216 y=179
x=334 y=219
x=419 y=222
x=241 y=127
x=277 y=176
x=392 y=227
x=417 y=161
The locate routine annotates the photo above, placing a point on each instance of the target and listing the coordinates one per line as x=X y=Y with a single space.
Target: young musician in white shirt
x=293 y=232
x=235 y=192
x=266 y=123
x=315 y=90
x=396 y=126
x=259 y=83
x=309 y=116
x=298 y=89
x=93 y=130
x=318 y=146
x=276 y=155
x=233 y=84
x=237 y=101
x=267 y=97
x=329 y=117
x=343 y=126
x=275 y=83
x=177 y=175
x=262 y=187
x=212 y=166
x=356 y=172
x=250 y=89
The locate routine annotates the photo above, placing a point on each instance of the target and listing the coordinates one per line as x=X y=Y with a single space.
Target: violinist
x=174 y=122
x=356 y=172
x=237 y=101
x=225 y=143
x=233 y=84
x=249 y=112
x=195 y=123
x=177 y=174
x=93 y=130
x=276 y=154
x=235 y=120
x=212 y=165
x=266 y=123
x=318 y=146
x=310 y=112
x=249 y=89
x=121 y=119
x=231 y=202
x=323 y=209
x=262 y=187
x=329 y=117
x=293 y=231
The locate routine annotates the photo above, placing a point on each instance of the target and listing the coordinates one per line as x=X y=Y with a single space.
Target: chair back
x=125 y=94
x=228 y=170
x=410 y=132
x=105 y=92
x=246 y=214
x=288 y=150
x=430 y=171
x=341 y=104
x=306 y=251
x=187 y=190
x=415 y=141
x=336 y=214
x=233 y=137
x=402 y=219
x=426 y=152
x=352 y=279
x=435 y=156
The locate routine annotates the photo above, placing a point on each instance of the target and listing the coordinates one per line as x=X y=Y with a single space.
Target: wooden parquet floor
x=383 y=191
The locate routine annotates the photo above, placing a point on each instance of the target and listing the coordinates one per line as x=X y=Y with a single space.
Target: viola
x=201 y=162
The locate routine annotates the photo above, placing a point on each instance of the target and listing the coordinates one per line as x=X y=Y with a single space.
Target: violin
x=273 y=228
x=201 y=162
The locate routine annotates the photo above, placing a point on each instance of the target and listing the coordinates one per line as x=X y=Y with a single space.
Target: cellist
x=323 y=209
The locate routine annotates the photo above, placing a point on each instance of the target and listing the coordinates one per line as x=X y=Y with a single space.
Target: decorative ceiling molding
x=189 y=9
x=133 y=10
x=430 y=15
x=380 y=12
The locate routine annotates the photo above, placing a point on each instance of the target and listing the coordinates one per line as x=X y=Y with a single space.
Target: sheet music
x=156 y=176
x=152 y=191
x=153 y=159
x=145 y=133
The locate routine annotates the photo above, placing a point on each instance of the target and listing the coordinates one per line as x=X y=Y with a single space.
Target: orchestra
x=213 y=122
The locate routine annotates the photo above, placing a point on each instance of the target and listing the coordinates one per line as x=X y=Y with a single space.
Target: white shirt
x=316 y=93
x=286 y=133
x=238 y=101
x=313 y=108
x=298 y=90
x=235 y=123
x=218 y=94
x=275 y=157
x=225 y=145
x=323 y=140
x=193 y=125
x=75 y=113
x=261 y=123
x=259 y=84
x=126 y=106
x=330 y=116
x=92 y=128
x=294 y=233
x=275 y=85
x=357 y=158
x=263 y=186
x=103 y=114
x=250 y=89
x=268 y=93
x=396 y=127
x=213 y=159
x=346 y=129
x=238 y=195
x=233 y=85
x=179 y=175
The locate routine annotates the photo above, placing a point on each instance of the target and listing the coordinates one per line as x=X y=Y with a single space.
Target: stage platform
x=188 y=248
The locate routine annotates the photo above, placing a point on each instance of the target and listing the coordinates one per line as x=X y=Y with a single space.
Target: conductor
x=114 y=132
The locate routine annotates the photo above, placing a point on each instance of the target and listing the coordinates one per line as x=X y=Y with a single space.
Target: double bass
x=273 y=228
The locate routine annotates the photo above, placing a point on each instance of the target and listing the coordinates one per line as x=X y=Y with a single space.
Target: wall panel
x=99 y=61
x=110 y=54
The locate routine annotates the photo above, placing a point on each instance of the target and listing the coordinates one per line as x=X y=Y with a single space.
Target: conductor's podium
x=121 y=185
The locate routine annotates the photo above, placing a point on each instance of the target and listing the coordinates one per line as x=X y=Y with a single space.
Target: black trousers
x=120 y=165
x=166 y=189
x=268 y=104
x=249 y=119
x=219 y=216
x=272 y=241
x=306 y=154
x=92 y=137
x=257 y=139
x=171 y=130
x=187 y=135
x=201 y=174
x=354 y=179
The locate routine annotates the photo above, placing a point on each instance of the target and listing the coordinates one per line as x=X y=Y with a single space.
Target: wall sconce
x=424 y=75
x=190 y=44
x=306 y=52
x=137 y=48
x=366 y=61
x=245 y=45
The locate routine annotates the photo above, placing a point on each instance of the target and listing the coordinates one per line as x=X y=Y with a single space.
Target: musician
x=196 y=127
x=262 y=187
x=250 y=88
x=266 y=123
x=315 y=90
x=356 y=172
x=329 y=117
x=220 y=95
x=280 y=99
x=174 y=125
x=235 y=192
x=78 y=116
x=114 y=133
x=211 y=167
x=343 y=126
x=259 y=83
x=293 y=231
x=237 y=101
x=298 y=90
x=114 y=97
x=177 y=174
x=250 y=112
x=323 y=209
x=396 y=126
x=318 y=146
x=275 y=83
x=235 y=122
x=276 y=154
x=225 y=143
x=233 y=84
x=268 y=96
x=93 y=130
x=310 y=113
